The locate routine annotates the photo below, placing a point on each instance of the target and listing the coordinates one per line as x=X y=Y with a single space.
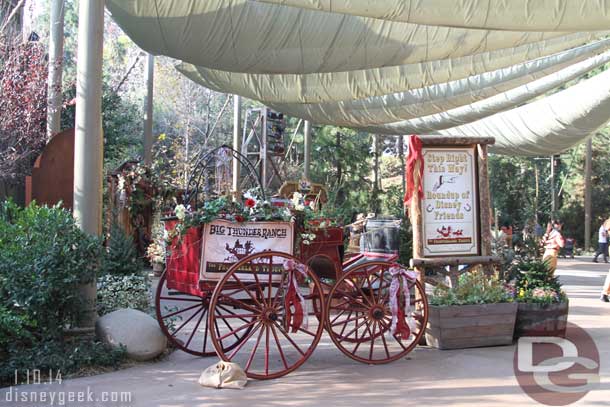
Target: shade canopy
x=394 y=66
x=523 y=15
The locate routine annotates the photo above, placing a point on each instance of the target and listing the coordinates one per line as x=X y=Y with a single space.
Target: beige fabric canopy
x=549 y=125
x=360 y=84
x=439 y=97
x=487 y=107
x=523 y=15
x=396 y=65
x=246 y=36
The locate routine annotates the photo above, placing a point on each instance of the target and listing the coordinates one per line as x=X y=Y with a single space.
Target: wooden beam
x=453 y=261
x=455 y=141
x=484 y=201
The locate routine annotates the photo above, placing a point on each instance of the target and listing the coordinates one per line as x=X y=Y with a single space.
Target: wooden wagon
x=255 y=294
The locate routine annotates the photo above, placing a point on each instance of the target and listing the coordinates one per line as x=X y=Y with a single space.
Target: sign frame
x=475 y=248
x=215 y=243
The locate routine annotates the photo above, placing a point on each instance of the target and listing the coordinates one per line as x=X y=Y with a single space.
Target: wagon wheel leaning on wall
x=211 y=175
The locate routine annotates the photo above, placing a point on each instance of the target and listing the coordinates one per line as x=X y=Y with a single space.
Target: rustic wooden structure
x=484 y=258
x=138 y=225
x=471 y=326
x=52 y=176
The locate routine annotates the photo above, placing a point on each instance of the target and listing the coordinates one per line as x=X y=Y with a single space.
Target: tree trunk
x=56 y=52
x=588 y=162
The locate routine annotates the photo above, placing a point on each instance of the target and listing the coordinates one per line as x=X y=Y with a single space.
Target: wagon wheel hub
x=270 y=315
x=377 y=313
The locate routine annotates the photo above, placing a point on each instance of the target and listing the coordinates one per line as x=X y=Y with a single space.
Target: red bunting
x=415 y=154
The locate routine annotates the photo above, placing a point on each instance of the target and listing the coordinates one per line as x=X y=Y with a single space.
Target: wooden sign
x=450 y=203
x=225 y=243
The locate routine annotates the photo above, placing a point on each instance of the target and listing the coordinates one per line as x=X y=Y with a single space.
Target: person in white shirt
x=602 y=243
x=553 y=241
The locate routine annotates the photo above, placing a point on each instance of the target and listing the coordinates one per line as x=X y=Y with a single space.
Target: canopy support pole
x=148 y=110
x=553 y=192
x=307 y=150
x=56 y=51
x=236 y=140
x=88 y=139
x=588 y=157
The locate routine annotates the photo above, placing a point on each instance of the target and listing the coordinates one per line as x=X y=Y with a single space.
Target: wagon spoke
x=280 y=288
x=266 y=349
x=244 y=341
x=233 y=313
x=372 y=340
x=234 y=275
x=356 y=328
x=254 y=349
x=258 y=287
x=385 y=343
x=394 y=336
x=181 y=311
x=242 y=304
x=270 y=278
x=195 y=329
x=343 y=311
x=279 y=327
x=279 y=348
x=345 y=321
x=187 y=321
x=241 y=328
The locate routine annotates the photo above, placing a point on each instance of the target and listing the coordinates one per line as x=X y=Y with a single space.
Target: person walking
x=602 y=242
x=553 y=242
x=606 y=290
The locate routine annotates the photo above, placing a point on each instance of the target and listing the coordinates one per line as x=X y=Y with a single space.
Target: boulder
x=137 y=331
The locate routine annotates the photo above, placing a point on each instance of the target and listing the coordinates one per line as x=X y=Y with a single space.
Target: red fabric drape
x=415 y=156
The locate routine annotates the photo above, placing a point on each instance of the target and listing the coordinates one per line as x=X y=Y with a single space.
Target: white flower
x=299 y=207
x=296 y=201
x=180 y=211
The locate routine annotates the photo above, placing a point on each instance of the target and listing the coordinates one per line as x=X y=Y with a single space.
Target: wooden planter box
x=542 y=319
x=471 y=326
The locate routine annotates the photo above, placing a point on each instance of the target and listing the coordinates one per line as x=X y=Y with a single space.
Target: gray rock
x=135 y=330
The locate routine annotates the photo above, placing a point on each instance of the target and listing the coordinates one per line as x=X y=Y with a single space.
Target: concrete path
x=476 y=377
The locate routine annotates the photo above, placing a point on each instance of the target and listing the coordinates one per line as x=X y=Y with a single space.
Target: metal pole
x=553 y=194
x=588 y=159
x=88 y=138
x=307 y=150
x=56 y=51
x=236 y=140
x=148 y=110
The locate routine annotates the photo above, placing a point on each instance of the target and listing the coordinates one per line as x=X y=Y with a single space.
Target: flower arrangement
x=156 y=253
x=473 y=288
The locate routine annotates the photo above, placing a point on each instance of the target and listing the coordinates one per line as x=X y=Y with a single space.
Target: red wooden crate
x=326 y=245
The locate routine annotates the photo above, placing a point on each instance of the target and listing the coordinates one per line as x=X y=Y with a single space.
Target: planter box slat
x=542 y=320
x=469 y=326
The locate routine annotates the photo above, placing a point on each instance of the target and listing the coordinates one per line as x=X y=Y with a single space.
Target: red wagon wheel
x=359 y=318
x=183 y=318
x=266 y=288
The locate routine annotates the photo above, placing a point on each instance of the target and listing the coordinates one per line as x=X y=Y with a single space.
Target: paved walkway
x=476 y=377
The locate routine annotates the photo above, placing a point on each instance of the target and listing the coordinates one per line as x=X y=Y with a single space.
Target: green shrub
x=473 y=288
x=536 y=284
x=114 y=292
x=44 y=258
x=67 y=358
x=121 y=257
x=15 y=330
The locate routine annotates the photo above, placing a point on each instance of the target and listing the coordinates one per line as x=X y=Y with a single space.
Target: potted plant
x=478 y=312
x=543 y=305
x=156 y=254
